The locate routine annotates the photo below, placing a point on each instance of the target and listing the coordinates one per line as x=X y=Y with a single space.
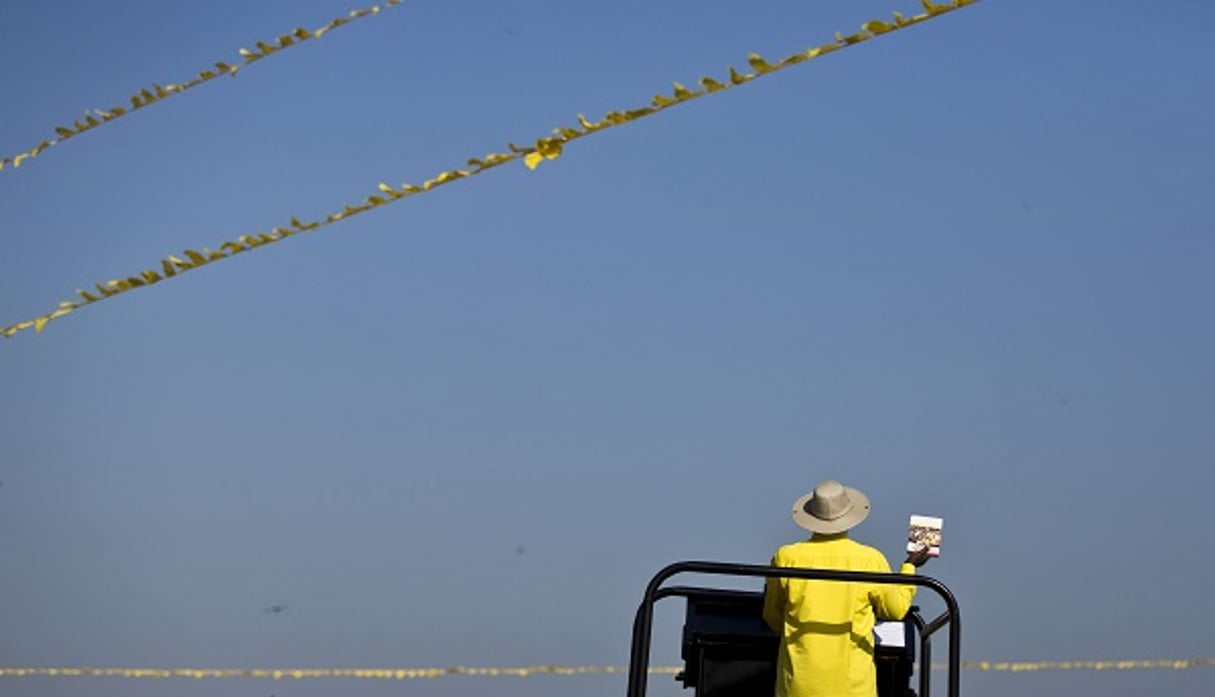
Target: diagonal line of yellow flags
x=547 y=148
x=529 y=671
x=157 y=93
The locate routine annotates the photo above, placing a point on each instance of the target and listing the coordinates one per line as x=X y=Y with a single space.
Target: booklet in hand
x=924 y=531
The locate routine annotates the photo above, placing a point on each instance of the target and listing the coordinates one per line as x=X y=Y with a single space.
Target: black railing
x=639 y=658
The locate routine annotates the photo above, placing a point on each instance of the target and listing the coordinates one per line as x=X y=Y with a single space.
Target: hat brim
x=858 y=512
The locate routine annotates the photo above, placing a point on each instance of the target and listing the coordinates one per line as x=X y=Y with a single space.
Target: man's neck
x=826 y=537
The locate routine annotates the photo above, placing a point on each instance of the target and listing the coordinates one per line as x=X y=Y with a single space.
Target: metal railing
x=639 y=656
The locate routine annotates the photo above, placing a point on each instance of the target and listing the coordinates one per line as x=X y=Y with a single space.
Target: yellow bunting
x=399 y=673
x=544 y=149
x=146 y=96
x=1151 y=664
x=325 y=673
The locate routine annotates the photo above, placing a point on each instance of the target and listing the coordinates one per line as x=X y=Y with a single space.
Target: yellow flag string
x=157 y=93
x=1024 y=667
x=309 y=673
x=544 y=149
x=530 y=671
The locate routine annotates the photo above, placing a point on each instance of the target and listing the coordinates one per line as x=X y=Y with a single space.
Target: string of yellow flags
x=310 y=673
x=148 y=96
x=546 y=148
x=530 y=671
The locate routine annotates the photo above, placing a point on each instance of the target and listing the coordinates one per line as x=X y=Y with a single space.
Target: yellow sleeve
x=892 y=602
x=774 y=600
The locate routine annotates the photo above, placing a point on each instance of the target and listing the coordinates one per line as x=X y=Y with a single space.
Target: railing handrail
x=639 y=660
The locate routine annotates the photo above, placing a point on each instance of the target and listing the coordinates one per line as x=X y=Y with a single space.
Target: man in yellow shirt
x=826 y=627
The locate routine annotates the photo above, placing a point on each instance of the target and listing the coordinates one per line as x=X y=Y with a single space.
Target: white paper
x=890 y=633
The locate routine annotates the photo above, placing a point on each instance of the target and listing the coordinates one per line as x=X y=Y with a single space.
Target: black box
x=729 y=651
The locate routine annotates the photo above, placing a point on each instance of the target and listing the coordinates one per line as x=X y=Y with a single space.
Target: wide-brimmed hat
x=831 y=508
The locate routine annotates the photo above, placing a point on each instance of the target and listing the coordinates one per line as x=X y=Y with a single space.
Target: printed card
x=924 y=531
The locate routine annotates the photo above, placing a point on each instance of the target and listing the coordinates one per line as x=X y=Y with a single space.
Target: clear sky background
x=968 y=268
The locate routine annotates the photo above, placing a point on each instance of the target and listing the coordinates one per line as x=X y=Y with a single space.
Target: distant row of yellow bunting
x=530 y=671
x=546 y=148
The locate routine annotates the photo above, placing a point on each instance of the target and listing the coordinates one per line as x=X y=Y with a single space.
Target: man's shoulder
x=791 y=554
x=863 y=548
x=787 y=551
x=871 y=554
x=848 y=547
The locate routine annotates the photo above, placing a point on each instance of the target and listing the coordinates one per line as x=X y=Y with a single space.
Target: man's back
x=826 y=627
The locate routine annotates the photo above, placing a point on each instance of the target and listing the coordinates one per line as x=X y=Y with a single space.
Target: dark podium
x=728 y=651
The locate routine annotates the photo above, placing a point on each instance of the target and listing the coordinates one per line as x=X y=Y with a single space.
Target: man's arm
x=774 y=600
x=892 y=602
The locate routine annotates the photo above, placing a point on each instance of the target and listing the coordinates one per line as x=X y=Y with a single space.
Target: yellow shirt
x=826 y=627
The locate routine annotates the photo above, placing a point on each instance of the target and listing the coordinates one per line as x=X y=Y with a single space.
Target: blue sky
x=966 y=268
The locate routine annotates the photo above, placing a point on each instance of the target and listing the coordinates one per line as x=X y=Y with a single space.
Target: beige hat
x=831 y=508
